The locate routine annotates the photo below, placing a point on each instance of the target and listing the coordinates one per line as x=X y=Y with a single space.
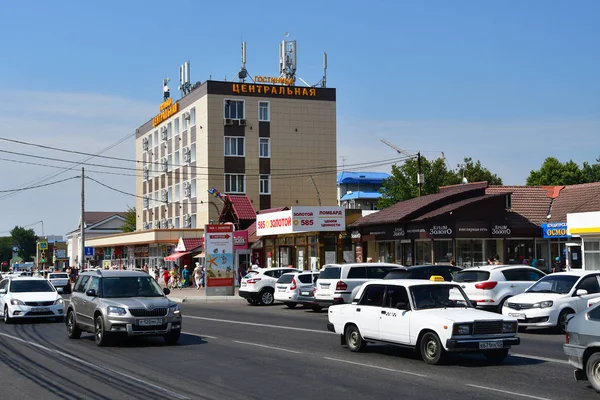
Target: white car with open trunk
x=432 y=317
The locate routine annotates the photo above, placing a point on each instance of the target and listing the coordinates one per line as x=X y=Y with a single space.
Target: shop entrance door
x=285 y=256
x=407 y=256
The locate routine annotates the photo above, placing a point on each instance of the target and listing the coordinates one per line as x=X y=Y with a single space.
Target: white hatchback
x=553 y=298
x=29 y=297
x=296 y=288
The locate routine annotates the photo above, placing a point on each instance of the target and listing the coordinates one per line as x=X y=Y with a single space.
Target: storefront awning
x=176 y=256
x=201 y=255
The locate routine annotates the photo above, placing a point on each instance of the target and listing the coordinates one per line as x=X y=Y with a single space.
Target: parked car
x=60 y=280
x=582 y=345
x=29 y=297
x=258 y=286
x=297 y=288
x=337 y=281
x=550 y=300
x=432 y=317
x=122 y=303
x=489 y=286
x=424 y=272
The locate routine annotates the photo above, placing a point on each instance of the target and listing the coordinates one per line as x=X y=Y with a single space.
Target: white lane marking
x=267 y=347
x=376 y=366
x=261 y=325
x=98 y=367
x=199 y=335
x=507 y=392
x=554 y=360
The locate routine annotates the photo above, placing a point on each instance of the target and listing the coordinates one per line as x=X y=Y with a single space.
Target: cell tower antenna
x=184 y=79
x=242 y=74
x=323 y=82
x=288 y=58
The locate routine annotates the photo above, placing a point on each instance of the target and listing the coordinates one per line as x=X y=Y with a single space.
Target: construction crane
x=420 y=175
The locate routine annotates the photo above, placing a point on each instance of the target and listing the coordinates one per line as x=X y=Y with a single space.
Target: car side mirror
x=91 y=293
x=581 y=292
x=166 y=291
x=402 y=306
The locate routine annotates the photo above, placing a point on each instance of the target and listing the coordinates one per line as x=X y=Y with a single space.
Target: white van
x=337 y=281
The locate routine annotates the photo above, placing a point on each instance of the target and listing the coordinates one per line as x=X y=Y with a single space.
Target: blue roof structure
x=360 y=195
x=362 y=177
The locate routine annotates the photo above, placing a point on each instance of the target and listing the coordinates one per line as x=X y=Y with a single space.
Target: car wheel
x=592 y=368
x=99 y=332
x=354 y=340
x=496 y=356
x=266 y=298
x=73 y=332
x=172 y=338
x=561 y=326
x=431 y=349
x=7 y=318
x=290 y=305
x=317 y=308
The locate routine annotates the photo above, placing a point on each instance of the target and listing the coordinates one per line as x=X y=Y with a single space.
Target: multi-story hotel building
x=274 y=143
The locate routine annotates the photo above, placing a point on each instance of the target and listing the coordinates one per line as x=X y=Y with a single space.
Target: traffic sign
x=89 y=251
x=43 y=245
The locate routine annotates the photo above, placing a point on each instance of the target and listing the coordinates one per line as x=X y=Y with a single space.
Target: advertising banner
x=218 y=241
x=240 y=240
x=302 y=219
x=555 y=230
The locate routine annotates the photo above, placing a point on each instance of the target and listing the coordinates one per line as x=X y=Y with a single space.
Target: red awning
x=176 y=256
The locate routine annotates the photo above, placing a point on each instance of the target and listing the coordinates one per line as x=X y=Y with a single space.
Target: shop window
x=423 y=252
x=519 y=250
x=591 y=254
x=385 y=252
x=442 y=251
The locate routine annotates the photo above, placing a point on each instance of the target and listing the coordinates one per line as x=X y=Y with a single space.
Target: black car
x=423 y=272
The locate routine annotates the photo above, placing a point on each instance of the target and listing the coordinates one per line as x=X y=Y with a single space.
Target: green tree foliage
x=130 y=220
x=6 y=245
x=26 y=241
x=402 y=183
x=555 y=173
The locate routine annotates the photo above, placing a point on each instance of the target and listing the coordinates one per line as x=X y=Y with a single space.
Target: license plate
x=325 y=285
x=150 y=322
x=281 y=290
x=518 y=316
x=243 y=283
x=305 y=293
x=40 y=309
x=490 y=345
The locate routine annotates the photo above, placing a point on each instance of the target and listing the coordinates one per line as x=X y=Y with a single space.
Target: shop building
x=586 y=225
x=360 y=190
x=471 y=222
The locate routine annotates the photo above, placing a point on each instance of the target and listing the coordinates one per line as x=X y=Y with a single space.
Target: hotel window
x=184 y=122
x=176 y=164
x=193 y=221
x=170 y=223
x=177 y=222
x=265 y=184
x=234 y=146
x=169 y=130
x=170 y=195
x=177 y=193
x=176 y=126
x=264 y=148
x=264 y=112
x=193 y=152
x=170 y=163
x=193 y=187
x=234 y=109
x=234 y=183
x=156 y=138
x=149 y=141
x=193 y=116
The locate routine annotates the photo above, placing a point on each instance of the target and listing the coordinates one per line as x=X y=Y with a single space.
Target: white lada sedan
x=432 y=317
x=29 y=297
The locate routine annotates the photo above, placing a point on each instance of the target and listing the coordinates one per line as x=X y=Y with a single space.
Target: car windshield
x=58 y=276
x=132 y=286
x=438 y=296
x=33 y=285
x=554 y=284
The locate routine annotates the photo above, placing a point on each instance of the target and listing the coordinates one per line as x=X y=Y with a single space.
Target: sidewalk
x=191 y=294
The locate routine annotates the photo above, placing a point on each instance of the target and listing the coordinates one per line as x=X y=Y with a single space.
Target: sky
x=505 y=82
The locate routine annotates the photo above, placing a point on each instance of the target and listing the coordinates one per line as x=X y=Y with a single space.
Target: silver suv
x=126 y=303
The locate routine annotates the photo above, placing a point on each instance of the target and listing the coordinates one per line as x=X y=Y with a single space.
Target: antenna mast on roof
x=243 y=72
x=323 y=82
x=184 y=79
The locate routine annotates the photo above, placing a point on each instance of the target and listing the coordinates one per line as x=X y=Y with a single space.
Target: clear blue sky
x=506 y=82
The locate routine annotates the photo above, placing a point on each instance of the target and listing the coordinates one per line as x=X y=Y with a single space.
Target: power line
x=39 y=186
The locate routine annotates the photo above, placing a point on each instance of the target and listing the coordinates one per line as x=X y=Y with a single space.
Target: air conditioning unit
x=164 y=195
x=146 y=172
x=146 y=226
x=242 y=122
x=146 y=202
x=145 y=144
x=156 y=224
x=186 y=115
x=163 y=223
x=227 y=121
x=163 y=133
x=187 y=154
x=187 y=221
x=164 y=164
x=187 y=189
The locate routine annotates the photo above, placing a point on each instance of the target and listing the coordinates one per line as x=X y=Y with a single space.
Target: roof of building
x=575 y=199
x=531 y=202
x=92 y=217
x=457 y=205
x=405 y=210
x=192 y=243
x=362 y=177
x=243 y=207
x=360 y=195
x=270 y=210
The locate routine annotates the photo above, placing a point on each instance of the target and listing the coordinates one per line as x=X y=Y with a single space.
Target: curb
x=207 y=299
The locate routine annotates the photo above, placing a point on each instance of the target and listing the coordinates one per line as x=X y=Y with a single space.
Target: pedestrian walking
x=198 y=276
x=186 y=276
x=166 y=276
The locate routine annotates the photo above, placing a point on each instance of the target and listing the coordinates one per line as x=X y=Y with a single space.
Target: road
x=235 y=351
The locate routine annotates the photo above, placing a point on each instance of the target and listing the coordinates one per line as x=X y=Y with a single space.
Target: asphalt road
x=235 y=351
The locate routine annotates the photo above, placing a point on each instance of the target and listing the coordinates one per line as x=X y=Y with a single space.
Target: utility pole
x=82 y=249
x=420 y=176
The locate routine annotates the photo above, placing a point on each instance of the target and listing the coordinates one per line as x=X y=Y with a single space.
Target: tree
x=130 y=220
x=26 y=242
x=554 y=173
x=402 y=183
x=6 y=245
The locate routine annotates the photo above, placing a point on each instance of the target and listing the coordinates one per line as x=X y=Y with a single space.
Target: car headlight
x=543 y=304
x=509 y=327
x=113 y=310
x=462 y=329
x=16 y=302
x=58 y=301
x=174 y=310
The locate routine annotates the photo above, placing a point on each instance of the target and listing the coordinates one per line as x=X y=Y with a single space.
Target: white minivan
x=337 y=281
